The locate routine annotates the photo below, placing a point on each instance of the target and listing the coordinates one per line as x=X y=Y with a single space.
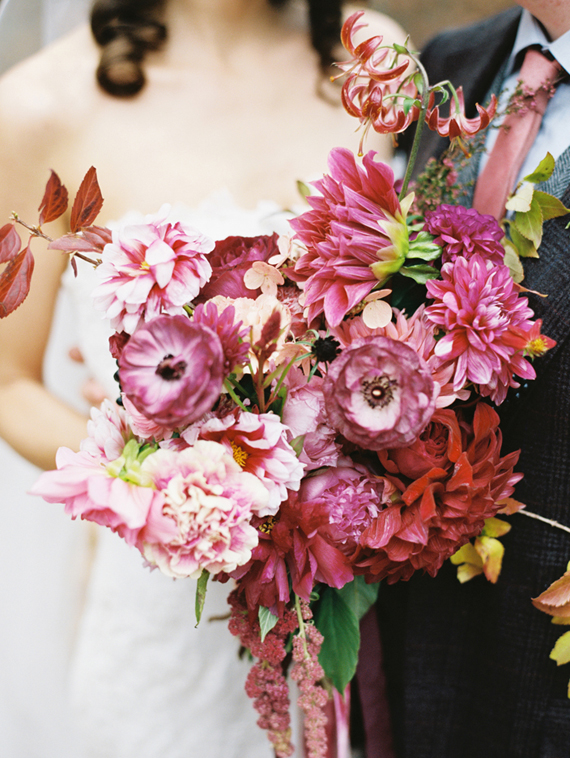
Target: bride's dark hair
x=128 y=29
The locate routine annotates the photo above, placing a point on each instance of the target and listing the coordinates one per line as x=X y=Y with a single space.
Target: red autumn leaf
x=88 y=202
x=10 y=243
x=98 y=236
x=55 y=200
x=555 y=600
x=15 y=281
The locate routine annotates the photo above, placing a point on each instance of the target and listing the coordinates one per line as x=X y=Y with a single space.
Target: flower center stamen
x=379 y=391
x=171 y=369
x=240 y=455
x=268 y=524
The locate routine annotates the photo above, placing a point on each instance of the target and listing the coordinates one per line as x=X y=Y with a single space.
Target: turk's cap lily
x=457 y=124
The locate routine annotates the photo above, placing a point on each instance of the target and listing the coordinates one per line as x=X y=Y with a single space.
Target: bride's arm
x=32 y=421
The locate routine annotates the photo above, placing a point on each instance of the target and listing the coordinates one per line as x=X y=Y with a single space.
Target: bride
x=220 y=105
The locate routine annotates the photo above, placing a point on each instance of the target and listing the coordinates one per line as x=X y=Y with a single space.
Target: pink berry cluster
x=266 y=683
x=307 y=672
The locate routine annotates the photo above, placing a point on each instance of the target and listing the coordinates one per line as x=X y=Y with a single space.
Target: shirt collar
x=530 y=32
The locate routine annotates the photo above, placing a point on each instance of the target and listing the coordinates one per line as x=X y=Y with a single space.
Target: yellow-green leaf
x=466 y=554
x=561 y=650
x=491 y=551
x=560 y=621
x=495 y=527
x=513 y=261
x=468 y=571
x=525 y=248
x=529 y=223
x=201 y=594
x=522 y=199
x=550 y=206
x=543 y=171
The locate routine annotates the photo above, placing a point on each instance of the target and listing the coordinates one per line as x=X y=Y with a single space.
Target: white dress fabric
x=145 y=683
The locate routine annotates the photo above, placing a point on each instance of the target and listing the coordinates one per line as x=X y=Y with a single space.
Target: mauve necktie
x=516 y=135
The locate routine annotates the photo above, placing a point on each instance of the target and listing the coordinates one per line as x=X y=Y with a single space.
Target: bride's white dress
x=145 y=683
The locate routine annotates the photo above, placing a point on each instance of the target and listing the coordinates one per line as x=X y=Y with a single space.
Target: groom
x=468 y=667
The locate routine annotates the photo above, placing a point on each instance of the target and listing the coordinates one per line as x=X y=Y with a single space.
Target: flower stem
x=419 y=128
x=301 y=621
x=550 y=522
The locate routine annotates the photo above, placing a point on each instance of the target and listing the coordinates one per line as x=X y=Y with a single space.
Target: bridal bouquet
x=310 y=414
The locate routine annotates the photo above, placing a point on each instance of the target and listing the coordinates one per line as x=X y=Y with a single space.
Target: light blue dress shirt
x=554 y=132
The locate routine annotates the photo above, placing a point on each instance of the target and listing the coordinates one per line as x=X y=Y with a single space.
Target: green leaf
x=529 y=224
x=513 y=261
x=303 y=189
x=201 y=594
x=424 y=247
x=297 y=444
x=561 y=650
x=359 y=596
x=525 y=248
x=550 y=206
x=266 y=621
x=560 y=621
x=339 y=626
x=400 y=49
x=420 y=273
x=495 y=527
x=543 y=171
x=522 y=198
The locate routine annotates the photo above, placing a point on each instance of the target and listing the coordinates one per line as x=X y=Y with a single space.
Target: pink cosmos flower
x=230 y=260
x=172 y=370
x=259 y=444
x=150 y=269
x=210 y=502
x=344 y=237
x=465 y=231
x=483 y=318
x=379 y=393
x=417 y=332
x=230 y=331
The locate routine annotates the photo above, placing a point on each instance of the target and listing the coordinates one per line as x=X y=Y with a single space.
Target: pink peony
x=344 y=236
x=379 y=393
x=210 y=502
x=230 y=260
x=477 y=306
x=259 y=444
x=151 y=268
x=465 y=232
x=172 y=370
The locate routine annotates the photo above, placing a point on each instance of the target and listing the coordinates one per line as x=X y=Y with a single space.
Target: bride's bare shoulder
x=377 y=23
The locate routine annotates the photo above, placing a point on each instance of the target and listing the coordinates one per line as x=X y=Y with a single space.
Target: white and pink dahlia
x=484 y=320
x=210 y=501
x=151 y=268
x=258 y=442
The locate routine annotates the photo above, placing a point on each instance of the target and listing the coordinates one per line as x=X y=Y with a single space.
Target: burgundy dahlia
x=451 y=479
x=464 y=232
x=379 y=393
x=172 y=370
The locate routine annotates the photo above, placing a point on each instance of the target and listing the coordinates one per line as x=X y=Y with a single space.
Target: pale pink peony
x=172 y=370
x=417 y=332
x=259 y=444
x=477 y=306
x=344 y=236
x=150 y=269
x=210 y=501
x=379 y=393
x=108 y=431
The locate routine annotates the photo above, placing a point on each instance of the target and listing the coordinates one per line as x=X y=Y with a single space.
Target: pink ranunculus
x=151 y=268
x=258 y=442
x=379 y=393
x=477 y=306
x=142 y=426
x=230 y=260
x=344 y=237
x=172 y=370
x=209 y=501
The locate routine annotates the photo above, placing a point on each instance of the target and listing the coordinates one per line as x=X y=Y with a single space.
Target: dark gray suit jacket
x=468 y=666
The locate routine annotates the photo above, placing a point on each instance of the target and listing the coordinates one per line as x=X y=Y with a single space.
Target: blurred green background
x=424 y=18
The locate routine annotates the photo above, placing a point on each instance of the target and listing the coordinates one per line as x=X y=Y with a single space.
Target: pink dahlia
x=172 y=370
x=209 y=501
x=348 y=251
x=451 y=479
x=465 y=232
x=151 y=268
x=477 y=306
x=379 y=393
x=230 y=331
x=259 y=444
x=231 y=259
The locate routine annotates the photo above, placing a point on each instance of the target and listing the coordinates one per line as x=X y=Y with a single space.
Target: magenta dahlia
x=484 y=320
x=348 y=252
x=379 y=393
x=465 y=232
